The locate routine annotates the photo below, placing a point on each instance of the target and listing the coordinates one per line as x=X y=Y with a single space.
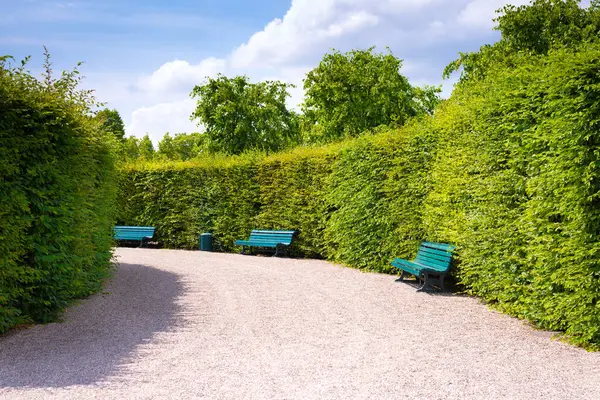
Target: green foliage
x=182 y=146
x=375 y=193
x=239 y=116
x=516 y=185
x=184 y=199
x=548 y=24
x=293 y=190
x=130 y=149
x=330 y=195
x=146 y=148
x=111 y=121
x=348 y=94
x=532 y=29
x=166 y=149
x=56 y=195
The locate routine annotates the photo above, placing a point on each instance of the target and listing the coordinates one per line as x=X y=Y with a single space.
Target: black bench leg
x=403 y=275
x=423 y=286
x=442 y=282
x=243 y=250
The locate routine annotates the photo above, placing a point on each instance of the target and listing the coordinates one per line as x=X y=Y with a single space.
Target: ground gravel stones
x=179 y=324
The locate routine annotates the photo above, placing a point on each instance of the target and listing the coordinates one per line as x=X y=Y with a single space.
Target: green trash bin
x=206 y=242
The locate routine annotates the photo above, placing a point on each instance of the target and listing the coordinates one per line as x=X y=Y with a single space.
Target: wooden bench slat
x=267 y=238
x=258 y=243
x=140 y=233
x=437 y=256
x=273 y=232
x=435 y=250
x=264 y=237
x=405 y=265
x=439 y=246
x=135 y=227
x=426 y=261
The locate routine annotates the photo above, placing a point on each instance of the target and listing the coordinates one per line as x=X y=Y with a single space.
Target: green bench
x=429 y=267
x=141 y=233
x=279 y=240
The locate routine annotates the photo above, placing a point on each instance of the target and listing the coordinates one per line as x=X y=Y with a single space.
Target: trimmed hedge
x=57 y=197
x=320 y=192
x=507 y=169
x=516 y=185
x=184 y=199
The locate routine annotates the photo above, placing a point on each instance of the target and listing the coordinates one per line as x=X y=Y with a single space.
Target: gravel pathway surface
x=177 y=324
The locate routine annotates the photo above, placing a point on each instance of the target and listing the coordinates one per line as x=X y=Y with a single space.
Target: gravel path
x=176 y=324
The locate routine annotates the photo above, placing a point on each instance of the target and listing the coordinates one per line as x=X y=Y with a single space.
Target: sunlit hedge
x=57 y=193
x=516 y=185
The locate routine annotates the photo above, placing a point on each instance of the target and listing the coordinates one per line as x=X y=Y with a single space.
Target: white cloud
x=309 y=23
x=156 y=120
x=179 y=75
x=354 y=22
x=480 y=13
x=427 y=34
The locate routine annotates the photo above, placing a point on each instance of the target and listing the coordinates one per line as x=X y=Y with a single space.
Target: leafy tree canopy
x=111 y=121
x=350 y=93
x=146 y=148
x=182 y=146
x=130 y=148
x=239 y=115
x=536 y=28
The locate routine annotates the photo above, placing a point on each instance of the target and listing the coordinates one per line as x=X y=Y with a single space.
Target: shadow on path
x=97 y=336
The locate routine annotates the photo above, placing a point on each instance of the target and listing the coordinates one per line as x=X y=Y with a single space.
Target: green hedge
x=293 y=190
x=185 y=199
x=329 y=195
x=56 y=198
x=516 y=185
x=507 y=169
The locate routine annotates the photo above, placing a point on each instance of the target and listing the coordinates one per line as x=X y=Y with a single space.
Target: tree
x=166 y=149
x=350 y=93
x=189 y=145
x=182 y=146
x=546 y=24
x=130 y=148
x=146 y=148
x=533 y=29
x=239 y=115
x=111 y=121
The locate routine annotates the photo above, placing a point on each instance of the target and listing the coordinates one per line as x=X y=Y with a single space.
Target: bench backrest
x=437 y=256
x=284 y=237
x=133 y=232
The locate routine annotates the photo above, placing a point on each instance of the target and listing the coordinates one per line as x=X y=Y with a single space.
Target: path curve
x=178 y=324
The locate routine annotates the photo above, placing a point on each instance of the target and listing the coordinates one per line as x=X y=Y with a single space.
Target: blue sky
x=143 y=57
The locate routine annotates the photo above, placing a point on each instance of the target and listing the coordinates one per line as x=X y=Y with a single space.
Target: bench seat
x=429 y=267
x=279 y=240
x=141 y=233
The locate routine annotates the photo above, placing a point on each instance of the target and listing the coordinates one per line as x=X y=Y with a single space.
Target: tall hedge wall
x=329 y=195
x=507 y=169
x=57 y=197
x=185 y=199
x=516 y=184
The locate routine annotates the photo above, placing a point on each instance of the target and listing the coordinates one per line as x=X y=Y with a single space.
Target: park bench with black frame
x=429 y=267
x=279 y=240
x=134 y=233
